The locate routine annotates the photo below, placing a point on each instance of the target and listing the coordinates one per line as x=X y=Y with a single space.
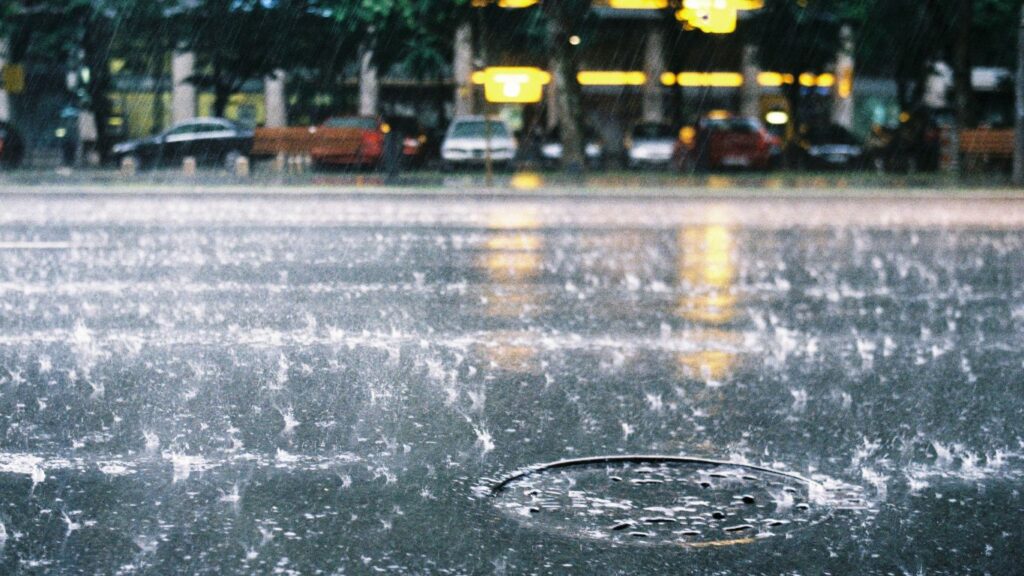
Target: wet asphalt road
x=318 y=384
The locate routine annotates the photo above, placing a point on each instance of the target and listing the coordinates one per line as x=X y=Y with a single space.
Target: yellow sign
x=512 y=85
x=715 y=16
x=14 y=78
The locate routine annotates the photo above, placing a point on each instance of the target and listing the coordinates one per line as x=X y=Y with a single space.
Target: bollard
x=188 y=165
x=128 y=167
x=242 y=167
x=280 y=162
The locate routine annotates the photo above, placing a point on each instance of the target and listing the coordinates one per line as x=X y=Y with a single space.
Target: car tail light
x=373 y=142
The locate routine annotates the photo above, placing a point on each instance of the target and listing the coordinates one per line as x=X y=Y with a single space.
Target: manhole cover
x=662 y=500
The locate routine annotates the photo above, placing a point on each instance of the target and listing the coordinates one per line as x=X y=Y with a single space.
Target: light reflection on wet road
x=304 y=384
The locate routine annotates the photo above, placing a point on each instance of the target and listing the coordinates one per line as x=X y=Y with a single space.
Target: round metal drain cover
x=662 y=500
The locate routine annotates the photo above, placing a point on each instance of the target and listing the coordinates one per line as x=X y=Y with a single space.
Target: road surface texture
x=321 y=384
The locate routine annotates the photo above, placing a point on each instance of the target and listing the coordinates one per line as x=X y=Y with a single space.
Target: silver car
x=650 y=144
x=467 y=142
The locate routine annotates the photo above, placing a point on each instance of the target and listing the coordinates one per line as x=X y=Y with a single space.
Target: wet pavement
x=313 y=384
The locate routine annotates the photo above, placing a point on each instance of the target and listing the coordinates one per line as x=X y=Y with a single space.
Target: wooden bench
x=302 y=140
x=987 y=148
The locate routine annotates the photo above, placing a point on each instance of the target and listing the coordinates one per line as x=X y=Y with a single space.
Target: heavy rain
x=721 y=287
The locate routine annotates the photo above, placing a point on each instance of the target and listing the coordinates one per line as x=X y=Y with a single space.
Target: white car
x=466 y=142
x=551 y=149
x=650 y=144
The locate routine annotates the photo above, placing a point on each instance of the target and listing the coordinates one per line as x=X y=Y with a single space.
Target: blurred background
x=887 y=85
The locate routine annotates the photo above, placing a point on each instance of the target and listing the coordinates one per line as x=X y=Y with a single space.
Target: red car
x=730 y=142
x=351 y=141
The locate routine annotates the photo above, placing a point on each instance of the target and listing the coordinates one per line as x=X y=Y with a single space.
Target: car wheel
x=230 y=159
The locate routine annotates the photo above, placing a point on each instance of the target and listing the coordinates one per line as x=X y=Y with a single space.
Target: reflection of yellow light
x=512 y=351
x=714 y=364
x=709 y=309
x=611 y=78
x=718 y=543
x=511 y=266
x=527 y=181
x=512 y=84
x=776 y=118
x=712 y=79
x=514 y=241
x=518 y=219
x=706 y=265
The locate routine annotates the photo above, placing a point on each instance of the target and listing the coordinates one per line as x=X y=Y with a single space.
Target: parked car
x=829 y=147
x=12 y=147
x=466 y=142
x=730 y=142
x=593 y=147
x=416 y=143
x=208 y=140
x=364 y=149
x=650 y=144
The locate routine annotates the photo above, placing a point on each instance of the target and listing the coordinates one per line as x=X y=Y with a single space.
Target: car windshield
x=352 y=122
x=734 y=125
x=478 y=129
x=653 y=132
x=832 y=135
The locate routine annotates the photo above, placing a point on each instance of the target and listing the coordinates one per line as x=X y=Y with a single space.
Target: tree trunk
x=962 y=75
x=1018 y=152
x=569 y=94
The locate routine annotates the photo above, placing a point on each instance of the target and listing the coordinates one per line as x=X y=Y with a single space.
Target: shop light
x=611 y=78
x=825 y=80
x=710 y=79
x=638 y=4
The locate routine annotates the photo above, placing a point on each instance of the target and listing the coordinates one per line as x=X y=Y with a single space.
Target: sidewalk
x=428 y=183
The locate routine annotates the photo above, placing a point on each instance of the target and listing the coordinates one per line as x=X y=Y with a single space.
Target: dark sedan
x=829 y=147
x=12 y=147
x=208 y=140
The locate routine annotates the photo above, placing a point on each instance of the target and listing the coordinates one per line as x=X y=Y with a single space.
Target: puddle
x=680 y=501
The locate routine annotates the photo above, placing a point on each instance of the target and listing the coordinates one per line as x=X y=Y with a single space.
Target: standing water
x=315 y=384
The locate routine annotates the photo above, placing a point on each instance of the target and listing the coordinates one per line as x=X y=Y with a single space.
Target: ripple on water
x=666 y=500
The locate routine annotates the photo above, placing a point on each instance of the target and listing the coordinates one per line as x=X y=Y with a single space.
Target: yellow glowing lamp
x=710 y=20
x=715 y=16
x=611 y=78
x=638 y=4
x=512 y=84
